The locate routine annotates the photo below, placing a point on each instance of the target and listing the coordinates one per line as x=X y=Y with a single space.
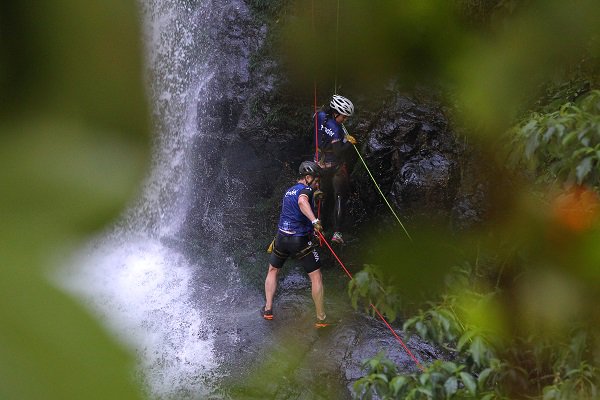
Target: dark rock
x=254 y=131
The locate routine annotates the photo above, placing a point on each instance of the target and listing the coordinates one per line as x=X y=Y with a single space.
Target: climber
x=295 y=238
x=333 y=146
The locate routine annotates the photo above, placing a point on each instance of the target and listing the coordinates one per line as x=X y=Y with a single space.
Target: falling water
x=143 y=286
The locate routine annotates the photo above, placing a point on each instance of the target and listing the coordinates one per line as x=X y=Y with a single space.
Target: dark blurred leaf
x=73 y=148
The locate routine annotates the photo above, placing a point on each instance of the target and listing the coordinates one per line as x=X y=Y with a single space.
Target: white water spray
x=143 y=289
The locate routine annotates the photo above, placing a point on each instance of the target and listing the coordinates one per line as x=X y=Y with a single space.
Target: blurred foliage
x=73 y=144
x=367 y=284
x=562 y=145
x=487 y=365
x=510 y=315
x=492 y=55
x=441 y=380
x=73 y=148
x=530 y=277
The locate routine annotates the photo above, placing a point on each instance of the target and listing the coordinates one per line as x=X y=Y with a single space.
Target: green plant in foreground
x=367 y=285
x=574 y=375
x=562 y=145
x=441 y=380
x=74 y=142
x=485 y=366
x=438 y=324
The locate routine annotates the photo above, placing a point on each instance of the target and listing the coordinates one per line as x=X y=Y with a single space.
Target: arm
x=305 y=207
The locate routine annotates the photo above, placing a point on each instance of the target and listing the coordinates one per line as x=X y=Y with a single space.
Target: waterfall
x=136 y=275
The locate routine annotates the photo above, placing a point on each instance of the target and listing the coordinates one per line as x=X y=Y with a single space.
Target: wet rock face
x=254 y=132
x=414 y=156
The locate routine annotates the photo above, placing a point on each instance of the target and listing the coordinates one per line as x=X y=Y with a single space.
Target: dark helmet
x=309 y=168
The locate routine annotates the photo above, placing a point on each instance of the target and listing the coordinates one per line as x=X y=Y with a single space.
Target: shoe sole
x=268 y=317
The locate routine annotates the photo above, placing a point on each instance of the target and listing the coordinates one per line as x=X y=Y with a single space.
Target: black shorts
x=297 y=247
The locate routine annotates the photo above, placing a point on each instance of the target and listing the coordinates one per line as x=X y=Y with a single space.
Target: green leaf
x=477 y=350
x=530 y=126
x=571 y=136
x=437 y=378
x=381 y=377
x=451 y=385
x=421 y=330
x=466 y=337
x=449 y=367
x=469 y=382
x=584 y=168
x=483 y=376
x=583 y=138
x=408 y=325
x=532 y=145
x=549 y=133
x=397 y=383
x=427 y=392
x=561 y=129
x=73 y=147
x=373 y=363
x=551 y=393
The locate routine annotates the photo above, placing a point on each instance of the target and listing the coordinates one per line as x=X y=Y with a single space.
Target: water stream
x=164 y=278
x=145 y=289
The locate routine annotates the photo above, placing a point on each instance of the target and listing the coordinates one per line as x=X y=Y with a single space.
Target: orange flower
x=577 y=208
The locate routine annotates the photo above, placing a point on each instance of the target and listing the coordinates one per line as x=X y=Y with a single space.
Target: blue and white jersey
x=291 y=221
x=329 y=131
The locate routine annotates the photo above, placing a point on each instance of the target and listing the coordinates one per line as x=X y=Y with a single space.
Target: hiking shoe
x=323 y=323
x=337 y=238
x=266 y=314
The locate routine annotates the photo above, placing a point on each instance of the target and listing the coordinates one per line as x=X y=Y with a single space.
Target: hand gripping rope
x=373 y=306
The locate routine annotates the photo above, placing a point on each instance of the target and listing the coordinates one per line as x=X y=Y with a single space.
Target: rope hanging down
x=337 y=29
x=314 y=29
x=322 y=238
x=337 y=34
x=316 y=126
x=377 y=186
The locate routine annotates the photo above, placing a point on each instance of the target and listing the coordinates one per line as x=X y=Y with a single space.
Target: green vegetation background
x=74 y=146
x=515 y=298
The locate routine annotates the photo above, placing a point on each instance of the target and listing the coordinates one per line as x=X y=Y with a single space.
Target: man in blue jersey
x=334 y=144
x=295 y=238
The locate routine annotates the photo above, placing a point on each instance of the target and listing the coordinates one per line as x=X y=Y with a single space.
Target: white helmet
x=342 y=105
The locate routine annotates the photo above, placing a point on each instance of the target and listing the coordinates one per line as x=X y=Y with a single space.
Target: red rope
x=374 y=308
x=398 y=338
x=314 y=29
x=316 y=127
x=335 y=255
x=316 y=159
